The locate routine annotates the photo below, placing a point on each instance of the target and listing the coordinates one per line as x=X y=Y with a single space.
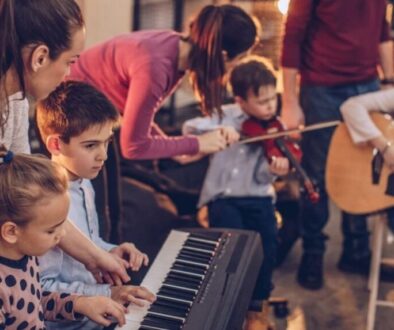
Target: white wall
x=105 y=18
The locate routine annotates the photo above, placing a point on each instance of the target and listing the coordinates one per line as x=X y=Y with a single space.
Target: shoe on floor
x=259 y=320
x=361 y=266
x=310 y=271
x=352 y=265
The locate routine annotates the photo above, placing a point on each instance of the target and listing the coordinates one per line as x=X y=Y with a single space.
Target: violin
x=280 y=147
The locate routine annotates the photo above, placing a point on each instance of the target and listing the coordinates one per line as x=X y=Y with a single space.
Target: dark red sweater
x=334 y=41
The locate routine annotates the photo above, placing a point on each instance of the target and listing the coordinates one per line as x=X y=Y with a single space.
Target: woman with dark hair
x=39 y=39
x=139 y=70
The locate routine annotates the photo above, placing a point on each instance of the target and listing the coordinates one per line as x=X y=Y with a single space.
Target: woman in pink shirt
x=138 y=71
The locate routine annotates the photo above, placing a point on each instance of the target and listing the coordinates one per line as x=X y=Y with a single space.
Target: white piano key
x=155 y=276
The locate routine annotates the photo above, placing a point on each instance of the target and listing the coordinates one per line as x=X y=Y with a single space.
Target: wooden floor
x=343 y=302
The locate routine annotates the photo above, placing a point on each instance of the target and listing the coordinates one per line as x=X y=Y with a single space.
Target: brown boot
x=259 y=320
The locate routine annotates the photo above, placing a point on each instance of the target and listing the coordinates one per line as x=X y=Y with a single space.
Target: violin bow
x=291 y=131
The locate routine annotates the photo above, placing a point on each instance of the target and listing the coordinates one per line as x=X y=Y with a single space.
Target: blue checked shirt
x=61 y=272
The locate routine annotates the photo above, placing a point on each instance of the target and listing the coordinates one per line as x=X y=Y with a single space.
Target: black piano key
x=205 y=261
x=172 y=304
x=167 y=310
x=208 y=235
x=170 y=319
x=187 y=278
x=160 y=323
x=150 y=327
x=187 y=288
x=188 y=263
x=199 y=245
x=180 y=293
x=180 y=288
x=187 y=275
x=176 y=294
x=197 y=250
x=202 y=240
x=191 y=257
x=189 y=269
x=181 y=283
x=187 y=282
x=170 y=297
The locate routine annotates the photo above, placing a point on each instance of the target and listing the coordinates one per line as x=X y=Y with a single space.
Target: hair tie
x=7 y=158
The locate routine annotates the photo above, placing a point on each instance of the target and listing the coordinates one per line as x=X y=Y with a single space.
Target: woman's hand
x=108 y=268
x=217 y=140
x=187 y=159
x=99 y=262
x=230 y=134
x=126 y=294
x=211 y=142
x=134 y=257
x=100 y=309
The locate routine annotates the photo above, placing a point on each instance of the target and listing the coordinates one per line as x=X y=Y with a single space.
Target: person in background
x=238 y=186
x=335 y=58
x=40 y=39
x=33 y=210
x=139 y=70
x=76 y=123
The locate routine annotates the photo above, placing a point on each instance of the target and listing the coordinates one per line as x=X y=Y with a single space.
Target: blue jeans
x=321 y=103
x=253 y=213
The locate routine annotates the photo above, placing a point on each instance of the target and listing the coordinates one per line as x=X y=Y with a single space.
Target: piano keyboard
x=181 y=277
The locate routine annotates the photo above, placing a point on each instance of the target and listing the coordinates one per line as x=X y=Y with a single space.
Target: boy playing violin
x=238 y=186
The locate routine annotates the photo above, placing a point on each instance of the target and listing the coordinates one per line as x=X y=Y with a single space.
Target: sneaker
x=310 y=272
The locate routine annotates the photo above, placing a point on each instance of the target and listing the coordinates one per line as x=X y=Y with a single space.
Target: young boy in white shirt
x=76 y=123
x=238 y=186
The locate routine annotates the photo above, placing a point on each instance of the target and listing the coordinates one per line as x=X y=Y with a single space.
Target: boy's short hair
x=251 y=73
x=72 y=108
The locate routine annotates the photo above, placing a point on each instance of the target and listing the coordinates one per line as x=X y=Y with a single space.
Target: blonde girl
x=33 y=209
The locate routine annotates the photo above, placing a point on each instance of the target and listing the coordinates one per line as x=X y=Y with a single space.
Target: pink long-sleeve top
x=23 y=304
x=137 y=71
x=334 y=42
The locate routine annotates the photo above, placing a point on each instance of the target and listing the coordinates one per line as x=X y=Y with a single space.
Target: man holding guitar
x=334 y=46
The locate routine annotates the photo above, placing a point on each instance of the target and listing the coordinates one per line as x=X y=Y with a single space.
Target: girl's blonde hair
x=24 y=181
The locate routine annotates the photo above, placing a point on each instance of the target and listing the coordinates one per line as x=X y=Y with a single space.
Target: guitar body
x=349 y=171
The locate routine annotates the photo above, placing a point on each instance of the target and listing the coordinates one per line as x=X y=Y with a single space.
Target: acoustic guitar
x=349 y=180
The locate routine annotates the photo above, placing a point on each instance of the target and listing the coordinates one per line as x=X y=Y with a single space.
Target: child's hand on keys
x=126 y=294
x=100 y=309
x=132 y=255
